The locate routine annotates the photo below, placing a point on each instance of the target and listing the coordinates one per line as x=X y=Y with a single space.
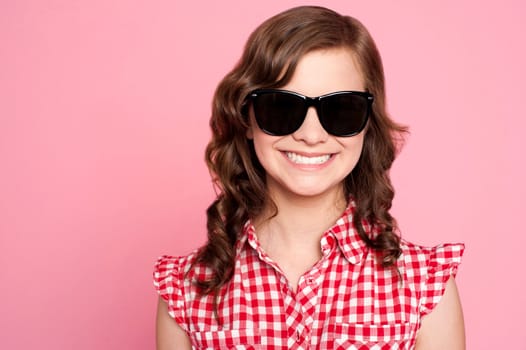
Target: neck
x=300 y=220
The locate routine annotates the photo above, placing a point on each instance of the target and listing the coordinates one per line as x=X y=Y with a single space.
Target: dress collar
x=349 y=241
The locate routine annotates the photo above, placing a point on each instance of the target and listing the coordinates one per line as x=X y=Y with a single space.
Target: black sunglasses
x=281 y=112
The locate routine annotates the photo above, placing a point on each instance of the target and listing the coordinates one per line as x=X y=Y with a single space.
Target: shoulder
x=168 y=266
x=428 y=270
x=171 y=272
x=418 y=256
x=172 y=281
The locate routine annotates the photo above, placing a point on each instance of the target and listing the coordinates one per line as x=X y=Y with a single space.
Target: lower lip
x=309 y=166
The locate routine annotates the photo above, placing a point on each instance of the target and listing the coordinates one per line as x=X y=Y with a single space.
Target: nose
x=311 y=131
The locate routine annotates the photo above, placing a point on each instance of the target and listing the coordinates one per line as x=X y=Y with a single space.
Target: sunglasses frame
x=316 y=103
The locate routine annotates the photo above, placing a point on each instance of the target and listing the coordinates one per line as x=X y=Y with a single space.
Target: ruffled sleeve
x=168 y=281
x=442 y=263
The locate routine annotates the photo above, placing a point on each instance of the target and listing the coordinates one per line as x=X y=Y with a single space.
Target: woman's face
x=310 y=162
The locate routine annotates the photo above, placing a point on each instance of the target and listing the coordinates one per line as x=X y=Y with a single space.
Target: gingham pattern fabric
x=346 y=301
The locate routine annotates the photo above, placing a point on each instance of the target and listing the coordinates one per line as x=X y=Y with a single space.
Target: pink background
x=104 y=110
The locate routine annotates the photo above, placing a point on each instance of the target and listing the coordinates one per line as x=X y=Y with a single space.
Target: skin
x=169 y=335
x=310 y=198
x=317 y=73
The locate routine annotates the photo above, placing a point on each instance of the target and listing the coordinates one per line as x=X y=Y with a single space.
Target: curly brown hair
x=269 y=60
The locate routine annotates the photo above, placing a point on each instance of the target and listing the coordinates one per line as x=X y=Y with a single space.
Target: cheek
x=262 y=145
x=354 y=149
x=359 y=146
x=354 y=145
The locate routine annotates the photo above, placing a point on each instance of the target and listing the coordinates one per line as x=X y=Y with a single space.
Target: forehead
x=323 y=71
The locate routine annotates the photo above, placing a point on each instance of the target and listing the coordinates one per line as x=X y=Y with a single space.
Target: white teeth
x=296 y=158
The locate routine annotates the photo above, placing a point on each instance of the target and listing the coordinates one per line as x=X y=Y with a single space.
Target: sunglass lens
x=344 y=114
x=278 y=113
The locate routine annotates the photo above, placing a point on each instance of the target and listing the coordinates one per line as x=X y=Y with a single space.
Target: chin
x=314 y=191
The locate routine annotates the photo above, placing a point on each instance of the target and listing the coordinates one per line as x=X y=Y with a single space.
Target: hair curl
x=269 y=60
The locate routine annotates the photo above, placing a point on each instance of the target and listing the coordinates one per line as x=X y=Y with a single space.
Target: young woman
x=302 y=251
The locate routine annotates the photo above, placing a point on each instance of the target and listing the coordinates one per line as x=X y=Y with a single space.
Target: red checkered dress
x=345 y=301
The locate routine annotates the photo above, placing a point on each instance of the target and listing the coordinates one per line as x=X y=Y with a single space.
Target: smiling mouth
x=299 y=159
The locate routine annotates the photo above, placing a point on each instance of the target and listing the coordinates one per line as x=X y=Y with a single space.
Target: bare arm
x=168 y=333
x=443 y=328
